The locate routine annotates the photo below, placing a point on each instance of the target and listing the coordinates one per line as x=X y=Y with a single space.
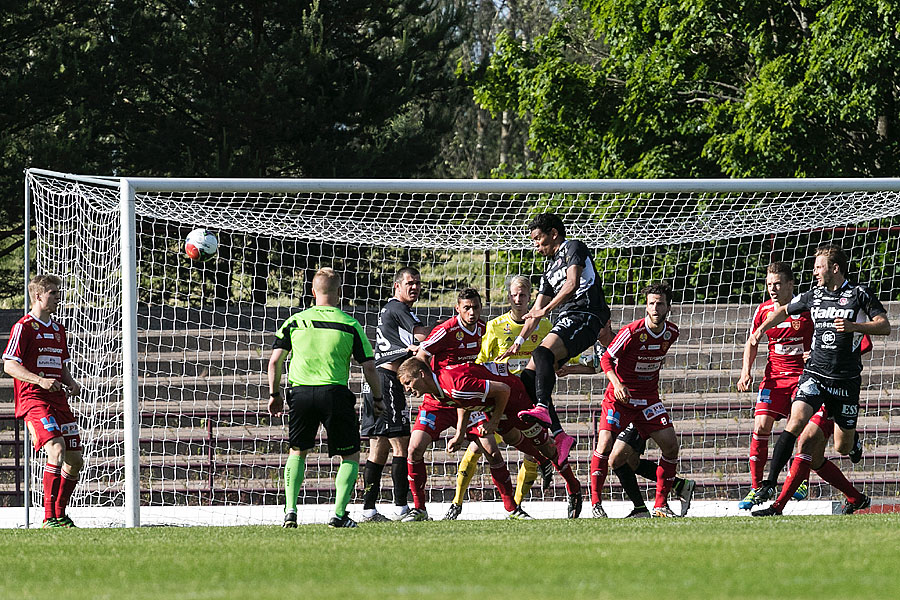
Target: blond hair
x=326 y=281
x=41 y=283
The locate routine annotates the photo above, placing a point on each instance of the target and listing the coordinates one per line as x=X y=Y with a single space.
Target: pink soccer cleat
x=538 y=414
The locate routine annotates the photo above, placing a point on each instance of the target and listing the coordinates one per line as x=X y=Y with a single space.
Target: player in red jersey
x=788 y=342
x=456 y=340
x=37 y=357
x=472 y=387
x=632 y=363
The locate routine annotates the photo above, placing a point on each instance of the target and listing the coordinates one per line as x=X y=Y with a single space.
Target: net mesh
x=205 y=330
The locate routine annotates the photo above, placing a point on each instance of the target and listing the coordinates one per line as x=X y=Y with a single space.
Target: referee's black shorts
x=394 y=420
x=334 y=406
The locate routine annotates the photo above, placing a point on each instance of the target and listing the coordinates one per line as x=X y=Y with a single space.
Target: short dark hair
x=411 y=271
x=468 y=293
x=547 y=221
x=780 y=267
x=658 y=287
x=835 y=255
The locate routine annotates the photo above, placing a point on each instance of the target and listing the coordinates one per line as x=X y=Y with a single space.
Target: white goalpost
x=172 y=353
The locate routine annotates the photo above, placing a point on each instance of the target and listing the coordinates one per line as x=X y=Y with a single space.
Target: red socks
x=52 y=484
x=665 y=479
x=417 y=478
x=759 y=454
x=599 y=472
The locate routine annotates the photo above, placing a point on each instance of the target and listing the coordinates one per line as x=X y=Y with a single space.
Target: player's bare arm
x=18 y=371
x=73 y=387
x=879 y=325
x=531 y=324
x=777 y=316
x=620 y=390
x=568 y=289
x=276 y=365
x=374 y=381
x=462 y=417
x=750 y=351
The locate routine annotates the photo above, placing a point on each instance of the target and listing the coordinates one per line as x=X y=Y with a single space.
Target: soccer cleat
x=769 y=511
x=66 y=522
x=376 y=517
x=453 y=512
x=856 y=453
x=400 y=512
x=564 y=443
x=597 y=511
x=345 y=521
x=663 y=511
x=519 y=515
x=546 y=476
x=848 y=508
x=686 y=494
x=536 y=414
x=416 y=514
x=574 y=507
x=290 y=520
x=638 y=513
x=802 y=491
x=50 y=523
x=757 y=496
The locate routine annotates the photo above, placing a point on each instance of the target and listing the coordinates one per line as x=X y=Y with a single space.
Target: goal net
x=209 y=453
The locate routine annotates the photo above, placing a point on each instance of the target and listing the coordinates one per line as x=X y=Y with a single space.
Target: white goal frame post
x=485 y=217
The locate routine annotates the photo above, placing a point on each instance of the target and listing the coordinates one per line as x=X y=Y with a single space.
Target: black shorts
x=840 y=397
x=578 y=331
x=334 y=406
x=394 y=421
x=630 y=436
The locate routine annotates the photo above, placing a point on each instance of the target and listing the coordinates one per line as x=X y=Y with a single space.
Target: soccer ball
x=201 y=244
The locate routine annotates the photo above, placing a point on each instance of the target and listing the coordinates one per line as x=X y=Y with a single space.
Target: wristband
x=275 y=395
x=520 y=340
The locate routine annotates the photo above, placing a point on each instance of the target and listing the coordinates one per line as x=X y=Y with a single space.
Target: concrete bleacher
x=205 y=436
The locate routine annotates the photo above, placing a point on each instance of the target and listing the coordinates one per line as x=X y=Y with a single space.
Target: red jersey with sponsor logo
x=787 y=341
x=637 y=354
x=42 y=349
x=450 y=343
x=467 y=386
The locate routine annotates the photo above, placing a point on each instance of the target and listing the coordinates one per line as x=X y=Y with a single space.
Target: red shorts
x=46 y=422
x=825 y=423
x=775 y=396
x=648 y=415
x=434 y=418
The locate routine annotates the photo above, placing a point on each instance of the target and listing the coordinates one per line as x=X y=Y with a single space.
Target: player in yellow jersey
x=499 y=336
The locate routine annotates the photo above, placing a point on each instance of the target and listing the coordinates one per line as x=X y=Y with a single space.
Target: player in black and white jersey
x=570 y=286
x=842 y=313
x=398 y=329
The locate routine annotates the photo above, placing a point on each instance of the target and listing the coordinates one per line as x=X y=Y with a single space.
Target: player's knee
x=75 y=462
x=543 y=356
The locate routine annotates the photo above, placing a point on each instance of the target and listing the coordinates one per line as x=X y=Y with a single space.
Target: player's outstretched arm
x=499 y=394
x=775 y=317
x=531 y=324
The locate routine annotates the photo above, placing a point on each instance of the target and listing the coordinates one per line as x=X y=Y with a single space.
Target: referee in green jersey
x=321 y=341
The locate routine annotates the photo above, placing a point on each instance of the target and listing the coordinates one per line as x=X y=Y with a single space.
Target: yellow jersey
x=501 y=333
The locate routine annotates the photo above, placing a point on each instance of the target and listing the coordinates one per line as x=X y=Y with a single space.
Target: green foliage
x=707 y=89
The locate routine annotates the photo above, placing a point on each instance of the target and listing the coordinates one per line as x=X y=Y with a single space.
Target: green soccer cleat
x=757 y=496
x=519 y=515
x=66 y=522
x=802 y=491
x=50 y=523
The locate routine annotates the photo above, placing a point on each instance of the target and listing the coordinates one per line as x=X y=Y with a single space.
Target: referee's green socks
x=293 y=477
x=345 y=482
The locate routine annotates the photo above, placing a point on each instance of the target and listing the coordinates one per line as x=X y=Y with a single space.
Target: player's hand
x=536 y=313
x=512 y=350
x=454 y=443
x=276 y=406
x=50 y=384
x=743 y=384
x=621 y=393
x=563 y=371
x=378 y=406
x=489 y=428
x=844 y=326
x=74 y=389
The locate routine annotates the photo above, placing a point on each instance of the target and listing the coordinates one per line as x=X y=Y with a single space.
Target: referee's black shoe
x=344 y=521
x=290 y=520
x=856 y=453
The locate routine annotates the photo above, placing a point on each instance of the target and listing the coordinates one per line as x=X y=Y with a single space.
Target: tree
x=707 y=89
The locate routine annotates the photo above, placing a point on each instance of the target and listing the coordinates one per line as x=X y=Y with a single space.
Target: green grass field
x=816 y=557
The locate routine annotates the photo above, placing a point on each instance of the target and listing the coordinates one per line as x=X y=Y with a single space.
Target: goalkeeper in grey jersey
x=398 y=328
